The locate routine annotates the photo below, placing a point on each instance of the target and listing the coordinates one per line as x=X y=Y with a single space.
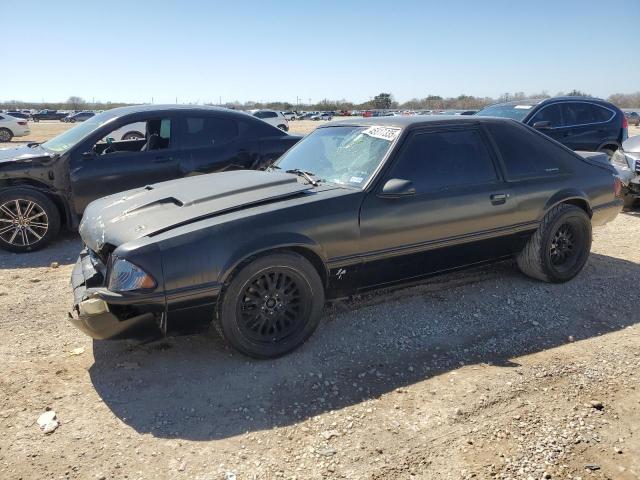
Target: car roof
x=154 y=108
x=537 y=101
x=411 y=120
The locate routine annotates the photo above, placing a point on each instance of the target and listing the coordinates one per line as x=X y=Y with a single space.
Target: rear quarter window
x=526 y=153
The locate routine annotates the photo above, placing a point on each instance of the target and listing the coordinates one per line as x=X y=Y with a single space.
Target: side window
x=440 y=160
x=550 y=114
x=260 y=114
x=601 y=114
x=577 y=113
x=157 y=133
x=208 y=131
x=525 y=153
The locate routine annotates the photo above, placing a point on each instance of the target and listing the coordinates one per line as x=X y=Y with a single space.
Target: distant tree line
x=380 y=101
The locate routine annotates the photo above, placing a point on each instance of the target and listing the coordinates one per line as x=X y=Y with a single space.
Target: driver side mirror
x=397 y=187
x=542 y=125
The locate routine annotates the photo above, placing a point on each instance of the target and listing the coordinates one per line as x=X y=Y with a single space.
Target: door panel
x=212 y=144
x=408 y=237
x=459 y=201
x=104 y=173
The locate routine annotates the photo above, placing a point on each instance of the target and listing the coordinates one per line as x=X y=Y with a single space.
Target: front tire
x=5 y=135
x=29 y=220
x=559 y=249
x=271 y=306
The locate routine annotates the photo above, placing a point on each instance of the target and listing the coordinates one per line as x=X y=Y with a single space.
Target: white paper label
x=384 y=133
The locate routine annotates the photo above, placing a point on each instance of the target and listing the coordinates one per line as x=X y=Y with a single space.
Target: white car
x=133 y=131
x=12 y=127
x=273 y=117
x=289 y=115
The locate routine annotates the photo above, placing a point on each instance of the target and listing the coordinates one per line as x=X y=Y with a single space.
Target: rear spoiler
x=598 y=159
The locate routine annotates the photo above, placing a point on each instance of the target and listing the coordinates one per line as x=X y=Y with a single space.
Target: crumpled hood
x=23 y=153
x=125 y=216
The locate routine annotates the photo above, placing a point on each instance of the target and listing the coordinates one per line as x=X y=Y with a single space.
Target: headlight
x=620 y=160
x=125 y=277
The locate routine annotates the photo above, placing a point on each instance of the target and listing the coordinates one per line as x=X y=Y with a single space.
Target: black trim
x=431 y=245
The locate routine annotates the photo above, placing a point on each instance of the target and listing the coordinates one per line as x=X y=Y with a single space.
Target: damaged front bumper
x=103 y=314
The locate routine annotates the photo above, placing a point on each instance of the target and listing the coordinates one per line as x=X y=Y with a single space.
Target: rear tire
x=559 y=249
x=5 y=135
x=29 y=220
x=271 y=306
x=283 y=127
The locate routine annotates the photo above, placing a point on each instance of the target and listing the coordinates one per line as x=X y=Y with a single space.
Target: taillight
x=625 y=122
x=617 y=186
x=22 y=123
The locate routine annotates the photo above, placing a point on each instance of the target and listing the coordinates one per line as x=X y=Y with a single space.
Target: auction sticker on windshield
x=523 y=107
x=384 y=133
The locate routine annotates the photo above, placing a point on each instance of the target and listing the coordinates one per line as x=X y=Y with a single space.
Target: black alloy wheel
x=272 y=306
x=560 y=247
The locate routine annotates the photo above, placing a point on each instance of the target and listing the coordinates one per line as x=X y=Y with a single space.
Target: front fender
x=261 y=245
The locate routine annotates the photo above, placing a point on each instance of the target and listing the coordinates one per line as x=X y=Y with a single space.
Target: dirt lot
x=481 y=374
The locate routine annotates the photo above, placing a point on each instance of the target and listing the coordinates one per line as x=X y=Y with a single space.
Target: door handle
x=499 y=198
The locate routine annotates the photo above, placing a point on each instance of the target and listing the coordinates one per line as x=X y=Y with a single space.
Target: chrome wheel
x=5 y=135
x=22 y=222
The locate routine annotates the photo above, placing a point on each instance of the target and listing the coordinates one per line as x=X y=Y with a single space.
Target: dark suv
x=580 y=123
x=45 y=185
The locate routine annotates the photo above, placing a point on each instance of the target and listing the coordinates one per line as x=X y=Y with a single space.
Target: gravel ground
x=478 y=374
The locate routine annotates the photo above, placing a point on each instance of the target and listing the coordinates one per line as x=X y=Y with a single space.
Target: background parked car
x=48 y=115
x=12 y=127
x=322 y=116
x=133 y=131
x=78 y=117
x=580 y=123
x=17 y=114
x=289 y=115
x=272 y=117
x=626 y=161
x=633 y=116
x=57 y=179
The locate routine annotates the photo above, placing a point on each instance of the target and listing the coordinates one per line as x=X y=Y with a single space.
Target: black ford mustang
x=355 y=205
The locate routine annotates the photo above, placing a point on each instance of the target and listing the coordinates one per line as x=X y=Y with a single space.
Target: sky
x=207 y=51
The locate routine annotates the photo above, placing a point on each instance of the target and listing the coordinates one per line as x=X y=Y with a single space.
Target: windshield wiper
x=306 y=175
